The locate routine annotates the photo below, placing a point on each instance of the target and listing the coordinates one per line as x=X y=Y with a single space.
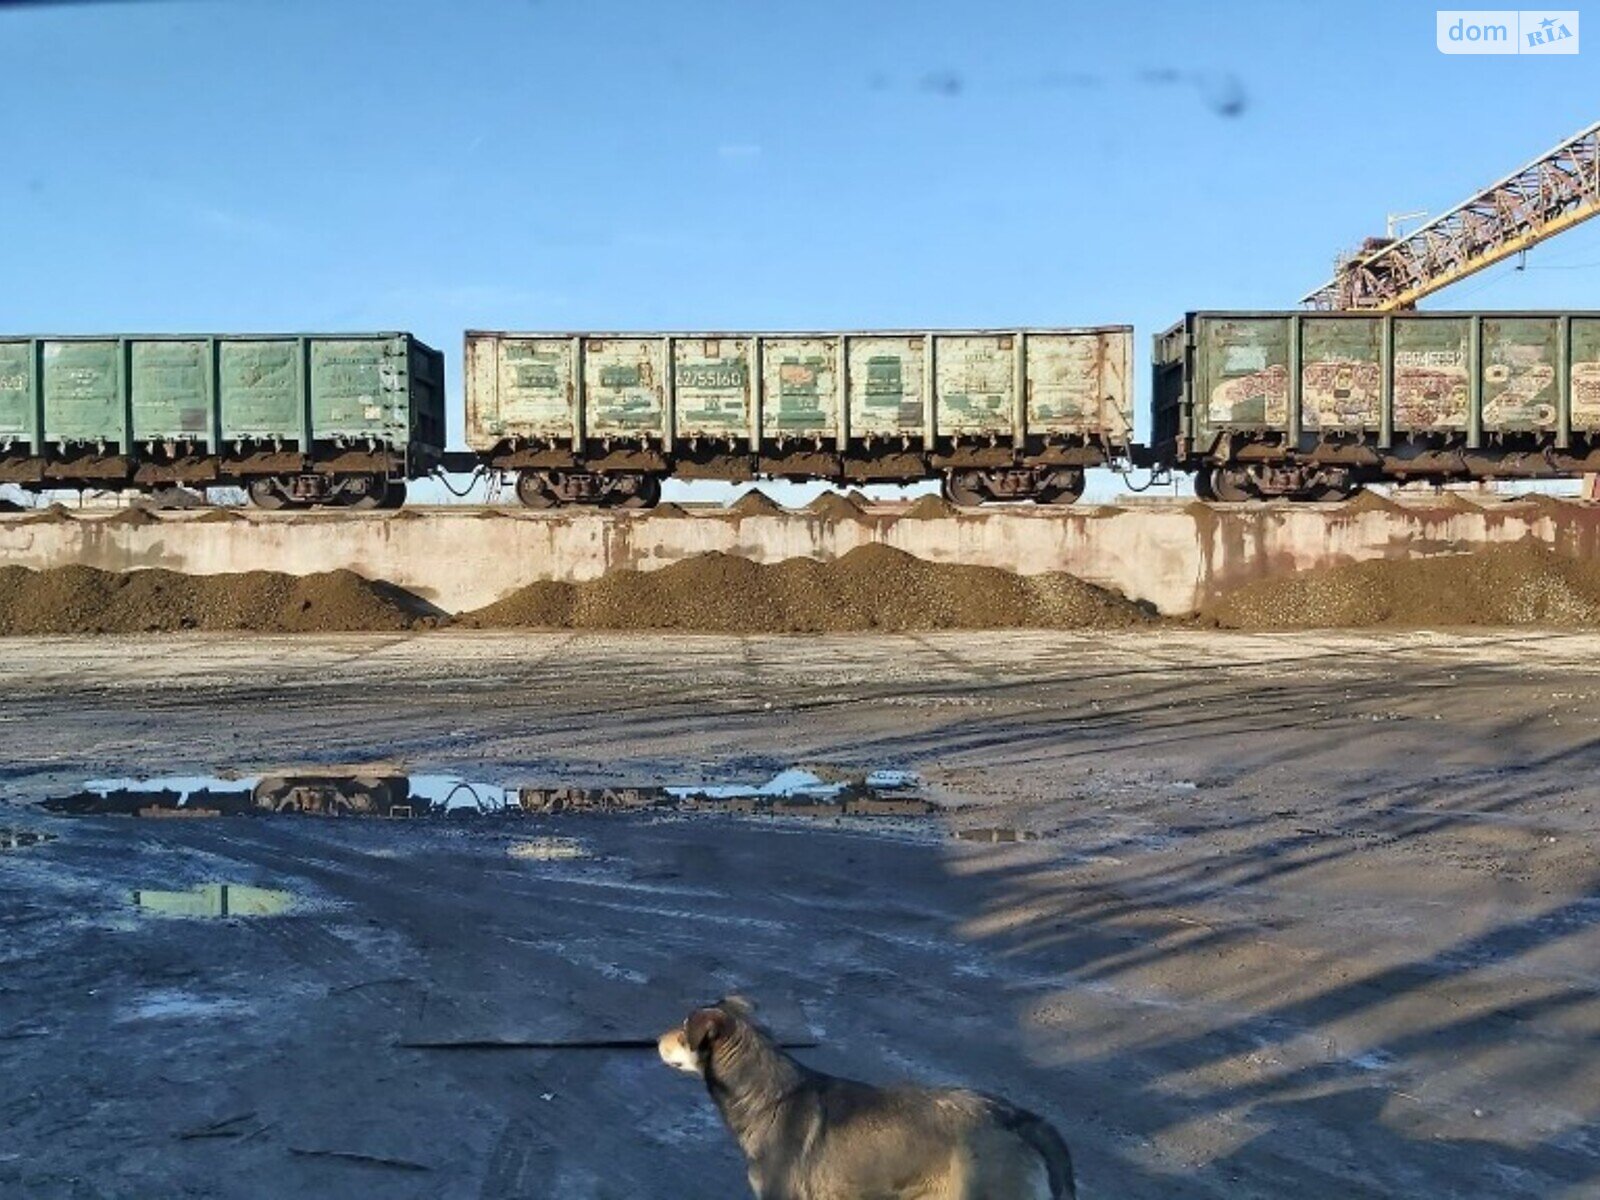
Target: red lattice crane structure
x=1554 y=192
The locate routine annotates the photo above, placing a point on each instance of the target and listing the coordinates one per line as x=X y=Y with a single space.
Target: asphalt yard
x=1244 y=915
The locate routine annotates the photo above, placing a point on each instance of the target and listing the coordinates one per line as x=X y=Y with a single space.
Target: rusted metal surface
x=1554 y=192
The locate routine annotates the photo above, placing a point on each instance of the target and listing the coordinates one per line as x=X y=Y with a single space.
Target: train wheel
x=375 y=496
x=266 y=495
x=1232 y=485
x=1061 y=487
x=646 y=493
x=395 y=497
x=534 y=490
x=964 y=489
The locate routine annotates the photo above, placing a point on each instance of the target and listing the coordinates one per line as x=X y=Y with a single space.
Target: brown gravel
x=1519 y=584
x=925 y=507
x=133 y=517
x=78 y=600
x=1369 y=501
x=756 y=503
x=872 y=587
x=834 y=507
x=41 y=516
x=1455 y=502
x=1553 y=505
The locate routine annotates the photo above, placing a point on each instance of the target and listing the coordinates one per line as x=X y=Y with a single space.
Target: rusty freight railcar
x=1313 y=404
x=996 y=414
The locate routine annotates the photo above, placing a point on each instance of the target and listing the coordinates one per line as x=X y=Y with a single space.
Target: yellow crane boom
x=1555 y=191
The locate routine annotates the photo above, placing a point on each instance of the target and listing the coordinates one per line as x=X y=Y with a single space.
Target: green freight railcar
x=1311 y=405
x=294 y=418
x=1003 y=414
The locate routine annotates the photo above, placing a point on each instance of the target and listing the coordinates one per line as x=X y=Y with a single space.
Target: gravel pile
x=872 y=587
x=834 y=507
x=756 y=503
x=1518 y=584
x=78 y=600
x=930 y=507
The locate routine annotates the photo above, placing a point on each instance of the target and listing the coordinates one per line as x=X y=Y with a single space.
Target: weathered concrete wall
x=1173 y=555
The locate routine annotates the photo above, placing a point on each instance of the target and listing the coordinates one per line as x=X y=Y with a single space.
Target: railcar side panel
x=975 y=384
x=1341 y=375
x=1432 y=374
x=800 y=387
x=358 y=391
x=19 y=410
x=1078 y=384
x=262 y=390
x=172 y=391
x=84 y=393
x=519 y=387
x=711 y=381
x=1244 y=372
x=624 y=387
x=1584 y=373
x=1520 y=360
x=886 y=374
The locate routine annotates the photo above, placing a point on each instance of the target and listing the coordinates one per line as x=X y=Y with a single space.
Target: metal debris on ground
x=19 y=839
x=993 y=833
x=548 y=849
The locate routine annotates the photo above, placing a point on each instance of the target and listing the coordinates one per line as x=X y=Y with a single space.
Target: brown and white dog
x=810 y=1136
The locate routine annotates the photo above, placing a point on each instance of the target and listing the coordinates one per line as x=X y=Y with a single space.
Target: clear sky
x=327 y=165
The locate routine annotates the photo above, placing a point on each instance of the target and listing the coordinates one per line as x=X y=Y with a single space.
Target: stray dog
x=810 y=1136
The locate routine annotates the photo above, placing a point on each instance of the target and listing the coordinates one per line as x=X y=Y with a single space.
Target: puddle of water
x=548 y=849
x=788 y=784
x=801 y=793
x=329 y=794
x=892 y=781
x=18 y=839
x=215 y=900
x=393 y=794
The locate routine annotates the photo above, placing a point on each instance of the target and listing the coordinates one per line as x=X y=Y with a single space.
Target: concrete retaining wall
x=1173 y=555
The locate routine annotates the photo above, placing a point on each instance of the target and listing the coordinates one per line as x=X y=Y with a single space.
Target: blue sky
x=224 y=164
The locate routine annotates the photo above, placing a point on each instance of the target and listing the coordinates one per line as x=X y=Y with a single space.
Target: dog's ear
x=703 y=1027
x=736 y=1003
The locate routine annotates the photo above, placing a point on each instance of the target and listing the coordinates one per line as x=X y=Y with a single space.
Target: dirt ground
x=1304 y=915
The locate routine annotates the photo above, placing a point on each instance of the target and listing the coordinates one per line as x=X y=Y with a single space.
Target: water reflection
x=389 y=793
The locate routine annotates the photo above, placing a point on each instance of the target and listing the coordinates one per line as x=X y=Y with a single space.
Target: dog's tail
x=1042 y=1136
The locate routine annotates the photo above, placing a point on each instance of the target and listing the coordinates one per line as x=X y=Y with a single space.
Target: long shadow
x=1288 y=1010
